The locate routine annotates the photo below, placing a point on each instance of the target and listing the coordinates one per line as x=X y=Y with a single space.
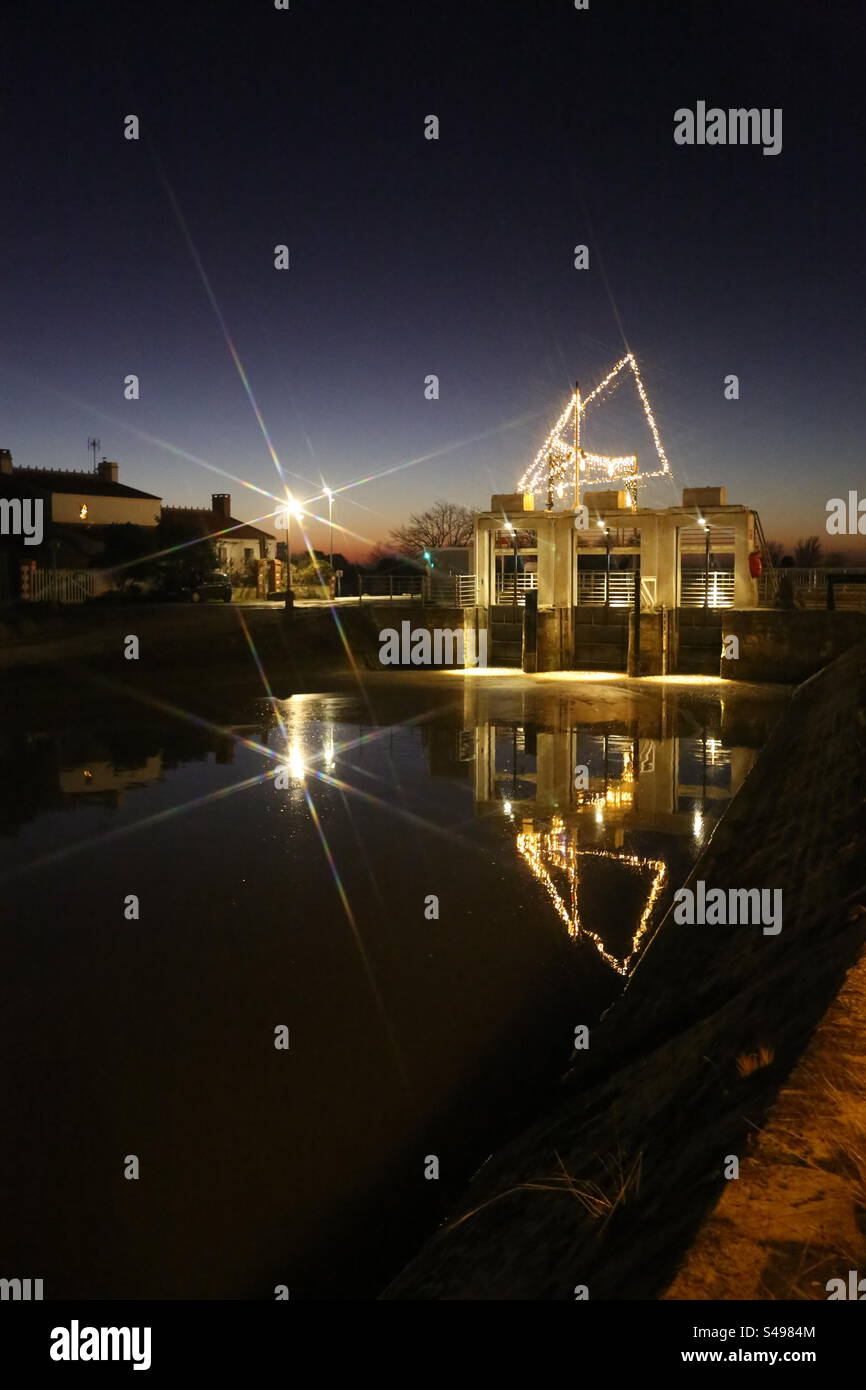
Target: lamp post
x=330 y=496
x=702 y=521
x=292 y=510
x=509 y=526
x=607 y=570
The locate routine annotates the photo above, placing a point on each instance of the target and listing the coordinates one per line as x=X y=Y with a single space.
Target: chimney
x=5 y=461
x=221 y=505
x=106 y=471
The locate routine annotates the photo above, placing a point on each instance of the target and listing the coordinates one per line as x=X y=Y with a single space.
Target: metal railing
x=648 y=591
x=465 y=585
x=505 y=586
x=597 y=588
x=808 y=585
x=693 y=589
x=391 y=586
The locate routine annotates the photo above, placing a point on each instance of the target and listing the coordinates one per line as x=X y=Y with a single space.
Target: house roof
x=215 y=524
x=59 y=480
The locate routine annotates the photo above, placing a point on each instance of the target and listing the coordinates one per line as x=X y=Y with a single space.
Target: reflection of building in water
x=604 y=816
x=556 y=848
x=102 y=780
x=629 y=783
x=57 y=769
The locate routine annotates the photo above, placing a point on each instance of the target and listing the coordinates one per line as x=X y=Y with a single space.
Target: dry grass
x=622 y=1181
x=844 y=1110
x=749 y=1062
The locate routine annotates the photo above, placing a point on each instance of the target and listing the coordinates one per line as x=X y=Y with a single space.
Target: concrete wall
x=776 y=645
x=387 y=616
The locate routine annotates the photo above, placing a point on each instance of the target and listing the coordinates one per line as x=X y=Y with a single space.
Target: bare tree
x=807 y=552
x=775 y=552
x=443 y=524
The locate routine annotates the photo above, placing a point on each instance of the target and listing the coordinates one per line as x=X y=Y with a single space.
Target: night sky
x=411 y=257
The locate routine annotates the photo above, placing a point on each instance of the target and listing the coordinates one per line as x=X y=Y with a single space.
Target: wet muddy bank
x=608 y=1191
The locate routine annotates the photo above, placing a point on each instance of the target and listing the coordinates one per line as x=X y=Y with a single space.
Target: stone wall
x=778 y=645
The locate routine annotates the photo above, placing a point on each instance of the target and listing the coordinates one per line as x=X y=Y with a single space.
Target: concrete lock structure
x=613 y=586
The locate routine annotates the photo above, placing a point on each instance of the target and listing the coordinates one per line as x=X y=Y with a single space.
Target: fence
x=808 y=587
x=505 y=586
x=391 y=586
x=595 y=588
x=465 y=590
x=693 y=589
x=57 y=586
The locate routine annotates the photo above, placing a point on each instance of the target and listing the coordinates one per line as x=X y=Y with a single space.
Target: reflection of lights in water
x=506 y=806
x=557 y=847
x=328 y=751
x=599 y=816
x=619 y=796
x=295 y=763
x=717 y=754
x=697 y=825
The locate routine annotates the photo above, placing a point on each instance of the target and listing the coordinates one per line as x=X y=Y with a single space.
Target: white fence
x=597 y=587
x=57 y=586
x=505 y=586
x=721 y=589
x=465 y=590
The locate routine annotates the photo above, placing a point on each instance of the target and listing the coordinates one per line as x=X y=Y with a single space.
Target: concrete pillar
x=543 y=524
x=745 y=587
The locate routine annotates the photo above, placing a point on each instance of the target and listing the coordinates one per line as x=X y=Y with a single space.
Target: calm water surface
x=284 y=860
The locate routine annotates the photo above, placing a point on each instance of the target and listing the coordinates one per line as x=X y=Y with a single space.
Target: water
x=305 y=899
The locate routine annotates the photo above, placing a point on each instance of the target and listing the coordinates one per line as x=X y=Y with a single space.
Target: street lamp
x=603 y=526
x=292 y=510
x=702 y=521
x=330 y=496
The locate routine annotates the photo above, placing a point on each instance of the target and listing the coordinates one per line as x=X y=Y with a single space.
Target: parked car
x=217 y=586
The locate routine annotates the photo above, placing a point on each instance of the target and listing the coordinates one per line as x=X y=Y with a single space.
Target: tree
x=807 y=552
x=192 y=554
x=775 y=552
x=443 y=524
x=127 y=549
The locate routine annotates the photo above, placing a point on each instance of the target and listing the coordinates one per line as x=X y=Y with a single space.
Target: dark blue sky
x=411 y=257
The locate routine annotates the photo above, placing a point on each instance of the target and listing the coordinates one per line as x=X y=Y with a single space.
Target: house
x=75 y=507
x=239 y=545
x=81 y=499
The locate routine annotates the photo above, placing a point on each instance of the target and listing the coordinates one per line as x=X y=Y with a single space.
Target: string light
x=558 y=848
x=554 y=463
